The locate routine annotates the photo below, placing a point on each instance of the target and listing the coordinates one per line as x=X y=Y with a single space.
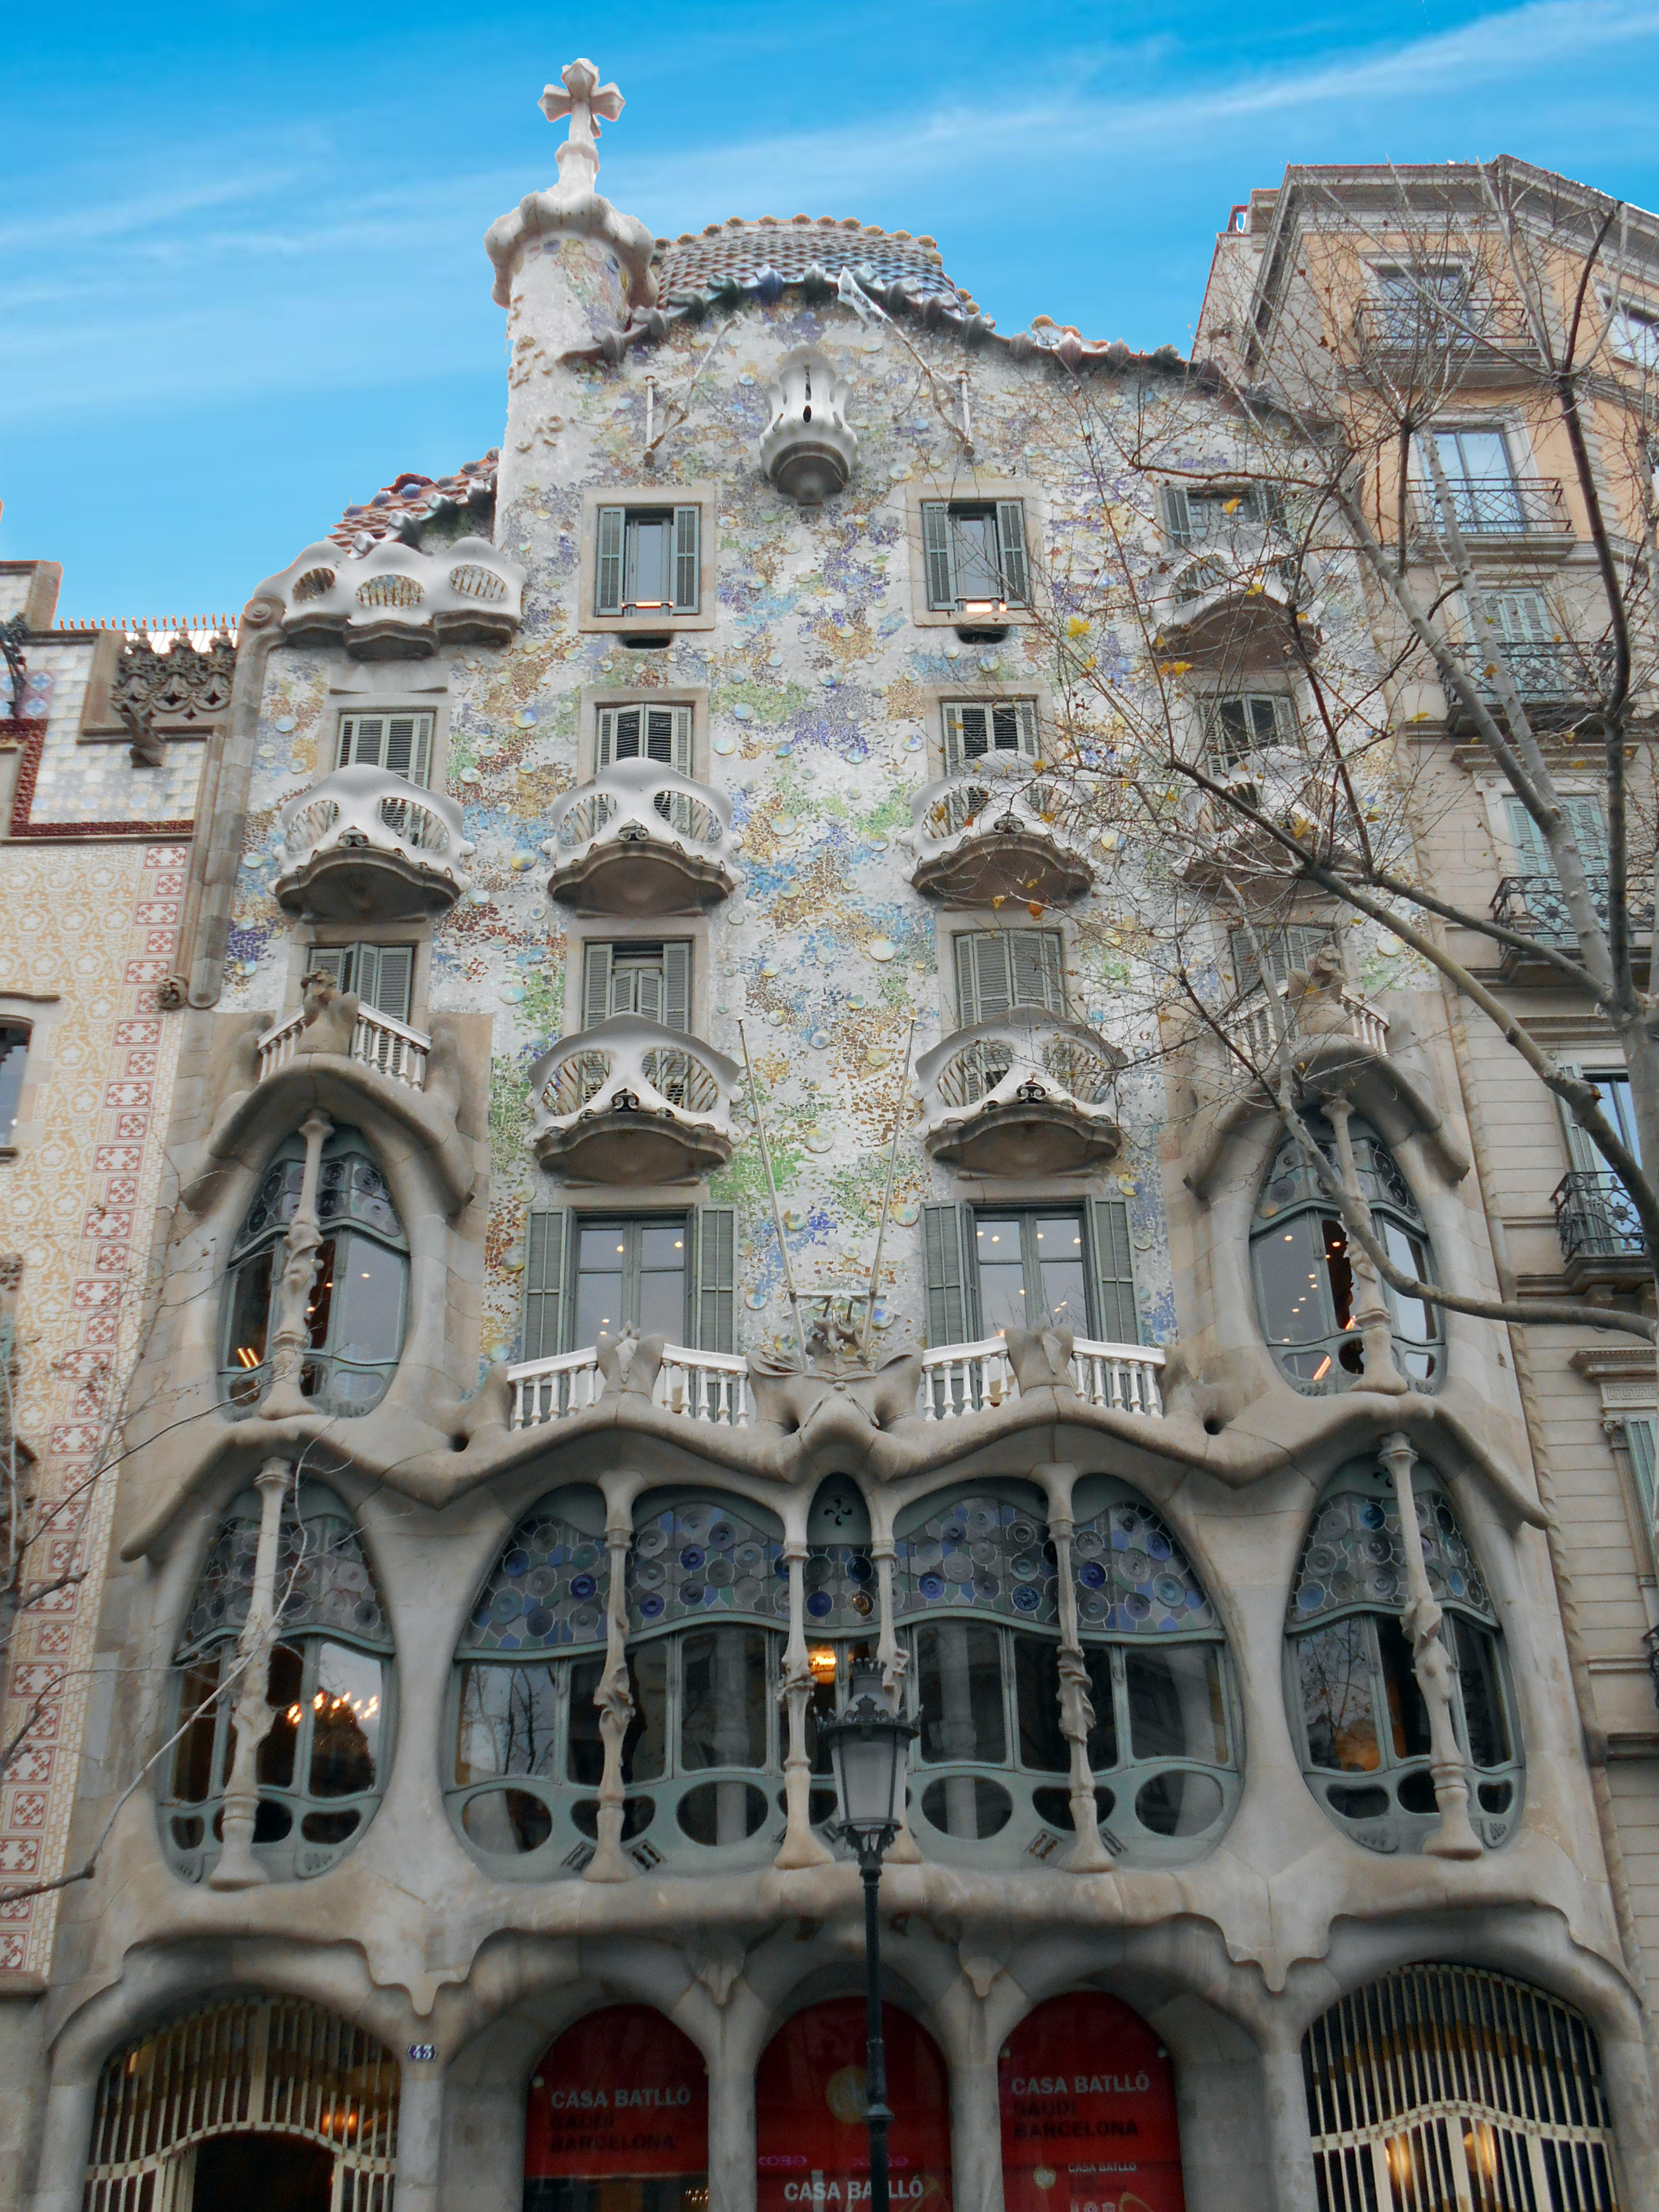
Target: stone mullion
x=1088 y=1854
x=800 y=1847
x=290 y=1340
x=1456 y=1838
x=615 y=1700
x=252 y=1714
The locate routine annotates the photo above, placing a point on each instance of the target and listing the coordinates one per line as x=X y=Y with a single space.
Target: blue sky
x=240 y=247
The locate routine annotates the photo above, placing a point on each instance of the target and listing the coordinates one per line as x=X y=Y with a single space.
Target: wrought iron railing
x=1565 y=672
x=1595 y=1217
x=1536 y=906
x=1495 y=507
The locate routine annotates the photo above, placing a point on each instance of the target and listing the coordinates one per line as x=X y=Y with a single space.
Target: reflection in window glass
x=1408 y=1717
x=723 y=1698
x=1103 y=1736
x=645 y=1747
x=1335 y=1669
x=1175 y=1709
x=959 y=1680
x=1036 y=1695
x=1475 y=1652
x=345 y=1734
x=507 y=1722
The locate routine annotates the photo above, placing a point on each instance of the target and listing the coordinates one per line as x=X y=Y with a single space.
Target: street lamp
x=869 y=1750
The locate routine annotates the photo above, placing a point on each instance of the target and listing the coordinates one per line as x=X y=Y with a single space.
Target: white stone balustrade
x=642 y=838
x=996 y=831
x=1257 y=1023
x=365 y=844
x=398 y=603
x=377 y=1040
x=630 y=1102
x=1029 y=1093
x=956 y=1380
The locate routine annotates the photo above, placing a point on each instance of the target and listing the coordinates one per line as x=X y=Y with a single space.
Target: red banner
x=623 y=2092
x=811 y=2143
x=1088 y=2119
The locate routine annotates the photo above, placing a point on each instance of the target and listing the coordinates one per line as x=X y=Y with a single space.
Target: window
x=658 y=733
x=1634 y=332
x=321 y=1769
x=1239 y=728
x=1589 y=828
x=992 y=1269
x=1364 y=1727
x=1486 y=495
x=1197 y=514
x=401 y=744
x=669 y=1274
x=997 y=969
x=975 y=729
x=359 y=1294
x=381 y=975
x=649 y=979
x=707 y=1590
x=1422 y=306
x=975 y=1589
x=974 y=552
x=1298 y=945
x=14 y=1066
x=648 y=560
x=1304 y=1278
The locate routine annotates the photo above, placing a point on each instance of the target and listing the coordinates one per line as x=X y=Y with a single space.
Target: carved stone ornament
x=807 y=449
x=156 y=690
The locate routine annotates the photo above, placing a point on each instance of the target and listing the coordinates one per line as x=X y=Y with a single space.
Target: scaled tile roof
x=694 y=261
x=398 y=509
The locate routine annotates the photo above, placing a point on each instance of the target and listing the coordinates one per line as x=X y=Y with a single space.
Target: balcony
x=630 y=1102
x=1558 y=683
x=995 y=831
x=1256 y=1027
x=1485 y=333
x=377 y=1041
x=1602 y=1239
x=956 y=1380
x=1495 y=509
x=1231 y=613
x=364 y=844
x=641 y=840
x=398 y=603
x=1535 y=907
x=1029 y=1093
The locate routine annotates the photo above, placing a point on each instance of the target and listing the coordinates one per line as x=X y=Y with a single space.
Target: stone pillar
x=251 y=1715
x=730 y=2123
x=1289 y=2176
x=800 y=1847
x=1455 y=1837
x=1088 y=1854
x=975 y=2129
x=65 y=2138
x=895 y=1663
x=1627 y=2076
x=420 y=2135
x=1371 y=1317
x=290 y=1339
x=615 y=1700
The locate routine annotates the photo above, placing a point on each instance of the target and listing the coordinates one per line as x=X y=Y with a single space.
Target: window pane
x=1176 y=1709
x=193 y=1755
x=1408 y=1717
x=722 y=1698
x=1103 y=1736
x=662 y=1282
x=584 y=1747
x=1058 y=1249
x=1413 y=1319
x=601 y=1255
x=979 y=567
x=250 y=1312
x=1333 y=1673
x=1293 y=1280
x=368 y=1301
x=1036 y=1690
x=322 y=1295
x=506 y=1723
x=14 y=1058
x=959 y=1679
x=646 y=1745
x=651 y=544
x=1474 y=1651
x=999 y=1246
x=1482 y=453
x=274 y=1764
x=345 y=1730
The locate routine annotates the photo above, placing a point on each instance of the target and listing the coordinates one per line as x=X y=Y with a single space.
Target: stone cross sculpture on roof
x=584 y=100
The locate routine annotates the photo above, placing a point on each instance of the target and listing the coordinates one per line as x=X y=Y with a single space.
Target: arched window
x=706 y=1594
x=1455 y=2086
x=1303 y=1277
x=812 y=2147
x=321 y=1769
x=1364 y=1726
x=841 y=1617
x=1164 y=1747
x=360 y=1293
x=585 y=2146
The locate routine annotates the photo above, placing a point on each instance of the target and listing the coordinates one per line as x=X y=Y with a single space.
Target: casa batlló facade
x=643 y=899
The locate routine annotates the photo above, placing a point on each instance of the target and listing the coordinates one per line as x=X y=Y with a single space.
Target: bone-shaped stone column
x=290 y=1340
x=800 y=1847
x=615 y=1700
x=252 y=1714
x=1454 y=1838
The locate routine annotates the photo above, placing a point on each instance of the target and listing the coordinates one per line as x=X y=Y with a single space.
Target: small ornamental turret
x=807 y=449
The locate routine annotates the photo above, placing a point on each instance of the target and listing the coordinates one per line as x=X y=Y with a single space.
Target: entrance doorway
x=262 y=2173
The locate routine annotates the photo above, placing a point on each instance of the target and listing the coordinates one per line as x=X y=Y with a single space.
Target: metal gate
x=1451 y=2090
x=273 y=2064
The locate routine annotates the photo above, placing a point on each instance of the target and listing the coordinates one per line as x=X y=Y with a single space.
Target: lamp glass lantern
x=869 y=1753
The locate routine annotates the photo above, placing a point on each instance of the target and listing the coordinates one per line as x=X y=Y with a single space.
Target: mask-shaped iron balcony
x=991 y=831
x=367 y=844
x=630 y=1102
x=642 y=838
x=1027 y=1093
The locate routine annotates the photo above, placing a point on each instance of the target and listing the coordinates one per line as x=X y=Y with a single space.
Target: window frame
x=342 y=960
x=349 y=716
x=596 y=698
x=646 y=499
x=952 y=747
x=1027 y=1213
x=1622 y=312
x=1221 y=758
x=634 y=1225
x=966 y=1018
x=19 y=1052
x=977 y=491
x=633 y=948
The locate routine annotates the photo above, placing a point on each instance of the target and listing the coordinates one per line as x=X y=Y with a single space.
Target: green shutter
x=623 y=735
x=395 y=973
x=973 y=737
x=596 y=984
x=334 y=960
x=546 y=1235
x=677 y=985
x=1039 y=976
x=1013 y=727
x=1582 y=1155
x=947 y=1234
x=1522 y=617
x=659 y=735
x=1117 y=1317
x=1011 y=543
x=983 y=991
x=608 y=563
x=688 y=560
x=1639 y=1443
x=1177 y=514
x=936 y=551
x=716 y=1278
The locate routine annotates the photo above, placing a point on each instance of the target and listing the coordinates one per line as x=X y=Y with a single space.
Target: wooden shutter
x=1117 y=1317
x=677 y=986
x=408 y=746
x=983 y=986
x=1522 y=617
x=1588 y=826
x=1011 y=546
x=967 y=734
x=947 y=1243
x=360 y=741
x=716 y=1306
x=619 y=734
x=546 y=1237
x=659 y=735
x=936 y=552
x=1177 y=514
x=334 y=961
x=688 y=560
x=608 y=562
x=1039 y=976
x=1013 y=727
x=596 y=984
x=394 y=972
x=1639 y=1443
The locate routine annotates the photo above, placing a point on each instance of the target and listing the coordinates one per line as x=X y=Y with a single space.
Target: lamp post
x=869 y=1750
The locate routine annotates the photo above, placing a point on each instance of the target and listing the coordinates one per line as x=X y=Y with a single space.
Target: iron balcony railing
x=1595 y=1219
x=1565 y=672
x=1446 y=327
x=1495 y=507
x=1534 y=906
